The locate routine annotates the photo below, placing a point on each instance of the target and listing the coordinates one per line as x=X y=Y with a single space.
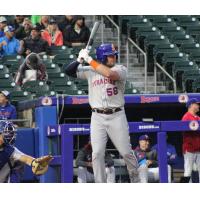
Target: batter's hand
x=84 y=54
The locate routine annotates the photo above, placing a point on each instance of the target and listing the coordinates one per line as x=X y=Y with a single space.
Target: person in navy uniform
x=7 y=110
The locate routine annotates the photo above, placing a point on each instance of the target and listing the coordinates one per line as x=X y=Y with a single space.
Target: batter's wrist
x=94 y=64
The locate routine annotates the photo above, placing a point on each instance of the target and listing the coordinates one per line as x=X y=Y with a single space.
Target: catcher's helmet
x=105 y=50
x=8 y=131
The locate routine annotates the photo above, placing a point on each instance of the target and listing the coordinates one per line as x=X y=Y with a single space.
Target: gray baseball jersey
x=5 y=171
x=103 y=92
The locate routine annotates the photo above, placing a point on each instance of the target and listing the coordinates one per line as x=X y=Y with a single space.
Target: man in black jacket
x=84 y=164
x=35 y=43
x=76 y=34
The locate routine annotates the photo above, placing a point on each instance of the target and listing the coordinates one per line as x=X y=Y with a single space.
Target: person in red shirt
x=52 y=34
x=191 y=140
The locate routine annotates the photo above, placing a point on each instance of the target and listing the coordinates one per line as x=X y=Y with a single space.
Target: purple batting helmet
x=105 y=50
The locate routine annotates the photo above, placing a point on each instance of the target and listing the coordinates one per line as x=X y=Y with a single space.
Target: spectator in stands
x=3 y=24
x=191 y=140
x=32 y=69
x=17 y=21
x=24 y=30
x=148 y=163
x=34 y=43
x=52 y=34
x=64 y=22
x=7 y=110
x=9 y=45
x=77 y=34
x=84 y=164
x=44 y=22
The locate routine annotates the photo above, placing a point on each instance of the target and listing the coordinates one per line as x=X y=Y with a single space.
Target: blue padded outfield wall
x=27 y=142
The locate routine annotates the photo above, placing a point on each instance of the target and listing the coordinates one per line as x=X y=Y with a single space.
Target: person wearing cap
x=34 y=43
x=52 y=34
x=77 y=34
x=3 y=24
x=84 y=164
x=9 y=45
x=31 y=69
x=7 y=110
x=148 y=163
x=191 y=140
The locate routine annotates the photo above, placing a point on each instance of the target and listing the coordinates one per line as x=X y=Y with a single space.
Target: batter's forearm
x=104 y=70
x=26 y=159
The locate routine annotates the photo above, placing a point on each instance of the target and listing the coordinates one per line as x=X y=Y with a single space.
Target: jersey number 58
x=112 y=91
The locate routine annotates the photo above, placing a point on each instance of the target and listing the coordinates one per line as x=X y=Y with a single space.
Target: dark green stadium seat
x=155 y=17
x=171 y=35
x=16 y=96
x=4 y=69
x=55 y=50
x=6 y=76
x=169 y=59
x=131 y=91
x=45 y=93
x=193 y=30
x=179 y=70
x=133 y=26
x=61 y=84
x=51 y=65
x=190 y=46
x=62 y=59
x=12 y=59
x=181 y=18
x=182 y=39
x=13 y=68
x=73 y=92
x=196 y=85
x=7 y=84
x=188 y=23
x=124 y=19
x=142 y=34
x=34 y=86
x=53 y=70
x=188 y=78
x=59 y=75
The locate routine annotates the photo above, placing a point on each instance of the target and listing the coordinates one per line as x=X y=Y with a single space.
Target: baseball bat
x=92 y=35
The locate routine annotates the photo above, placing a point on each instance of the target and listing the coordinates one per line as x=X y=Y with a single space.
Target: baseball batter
x=106 y=81
x=9 y=155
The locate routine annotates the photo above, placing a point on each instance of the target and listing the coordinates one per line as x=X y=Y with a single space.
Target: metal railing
x=118 y=32
x=166 y=73
x=145 y=59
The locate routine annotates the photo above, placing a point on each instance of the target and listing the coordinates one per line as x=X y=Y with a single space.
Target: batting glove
x=84 y=54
